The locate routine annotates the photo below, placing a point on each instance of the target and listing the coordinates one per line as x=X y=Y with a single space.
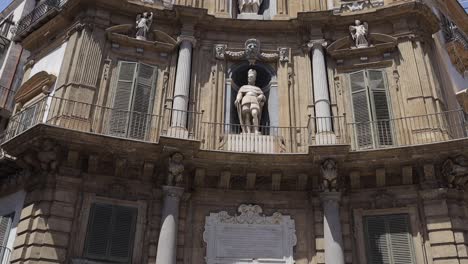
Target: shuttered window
x=5 y=226
x=134 y=96
x=111 y=231
x=371 y=110
x=388 y=239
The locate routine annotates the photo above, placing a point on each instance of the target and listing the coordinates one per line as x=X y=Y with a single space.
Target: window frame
x=89 y=199
x=131 y=103
x=359 y=230
x=371 y=108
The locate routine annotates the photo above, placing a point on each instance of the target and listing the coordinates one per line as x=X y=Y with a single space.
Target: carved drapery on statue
x=249 y=6
x=249 y=103
x=359 y=32
x=143 y=25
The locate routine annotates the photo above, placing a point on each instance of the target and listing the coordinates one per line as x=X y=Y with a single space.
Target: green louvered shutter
x=123 y=233
x=121 y=110
x=382 y=125
x=142 y=101
x=111 y=231
x=388 y=240
x=362 y=125
x=99 y=230
x=5 y=226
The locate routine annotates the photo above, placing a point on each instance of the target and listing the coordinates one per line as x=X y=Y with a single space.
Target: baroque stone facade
x=347 y=143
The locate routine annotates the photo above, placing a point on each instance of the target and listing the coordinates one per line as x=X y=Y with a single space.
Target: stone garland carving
x=175 y=170
x=455 y=171
x=252 y=52
x=360 y=34
x=329 y=173
x=143 y=25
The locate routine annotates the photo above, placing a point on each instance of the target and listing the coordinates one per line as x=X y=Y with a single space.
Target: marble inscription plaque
x=249 y=237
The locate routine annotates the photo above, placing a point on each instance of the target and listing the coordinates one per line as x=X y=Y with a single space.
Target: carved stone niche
x=122 y=35
x=380 y=44
x=249 y=237
x=41 y=82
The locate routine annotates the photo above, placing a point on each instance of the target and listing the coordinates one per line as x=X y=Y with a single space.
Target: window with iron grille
x=134 y=96
x=371 y=109
x=111 y=233
x=388 y=239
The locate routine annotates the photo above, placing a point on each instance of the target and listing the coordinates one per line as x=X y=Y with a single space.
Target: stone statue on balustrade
x=249 y=6
x=143 y=25
x=249 y=103
x=359 y=33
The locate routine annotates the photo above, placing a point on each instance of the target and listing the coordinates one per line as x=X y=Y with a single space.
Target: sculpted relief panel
x=249 y=237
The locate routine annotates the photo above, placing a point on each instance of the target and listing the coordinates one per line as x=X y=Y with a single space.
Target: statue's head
x=252 y=76
x=357 y=22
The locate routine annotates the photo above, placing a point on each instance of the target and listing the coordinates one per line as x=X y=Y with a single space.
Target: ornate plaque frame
x=230 y=239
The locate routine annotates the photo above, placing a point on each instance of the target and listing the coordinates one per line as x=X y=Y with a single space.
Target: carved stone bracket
x=252 y=52
x=329 y=172
x=455 y=172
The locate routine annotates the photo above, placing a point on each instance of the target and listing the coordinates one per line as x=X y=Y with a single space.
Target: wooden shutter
x=388 y=240
x=362 y=125
x=123 y=233
x=5 y=226
x=142 y=101
x=378 y=89
x=121 y=110
x=111 y=231
x=99 y=229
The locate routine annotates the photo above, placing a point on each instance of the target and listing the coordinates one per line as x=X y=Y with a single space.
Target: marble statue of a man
x=143 y=25
x=249 y=6
x=249 y=102
x=359 y=33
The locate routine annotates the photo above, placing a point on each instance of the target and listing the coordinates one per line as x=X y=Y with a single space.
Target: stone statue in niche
x=249 y=103
x=249 y=6
x=175 y=170
x=143 y=25
x=359 y=33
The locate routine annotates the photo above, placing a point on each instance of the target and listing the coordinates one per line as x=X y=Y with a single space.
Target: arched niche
x=266 y=80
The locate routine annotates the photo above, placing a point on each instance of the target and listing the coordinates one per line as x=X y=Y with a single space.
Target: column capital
x=317 y=44
x=188 y=38
x=173 y=191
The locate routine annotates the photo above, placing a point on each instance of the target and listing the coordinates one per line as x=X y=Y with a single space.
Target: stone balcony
x=189 y=126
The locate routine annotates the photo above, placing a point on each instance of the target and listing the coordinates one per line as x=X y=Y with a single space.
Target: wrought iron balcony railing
x=41 y=13
x=90 y=118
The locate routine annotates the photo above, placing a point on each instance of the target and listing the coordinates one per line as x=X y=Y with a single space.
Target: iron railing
x=5 y=254
x=45 y=9
x=398 y=132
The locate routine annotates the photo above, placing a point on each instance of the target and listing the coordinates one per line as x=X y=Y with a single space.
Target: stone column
x=333 y=236
x=167 y=244
x=182 y=83
x=330 y=198
x=321 y=94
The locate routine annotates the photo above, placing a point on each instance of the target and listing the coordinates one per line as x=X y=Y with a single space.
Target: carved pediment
x=379 y=44
x=157 y=41
x=41 y=82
